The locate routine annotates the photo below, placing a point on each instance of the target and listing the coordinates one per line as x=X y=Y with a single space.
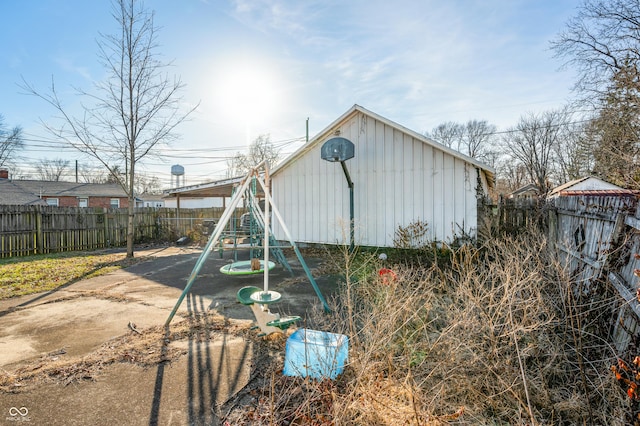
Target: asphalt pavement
x=77 y=321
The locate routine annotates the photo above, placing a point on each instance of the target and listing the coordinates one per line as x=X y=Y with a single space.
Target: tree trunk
x=132 y=199
x=130 y=227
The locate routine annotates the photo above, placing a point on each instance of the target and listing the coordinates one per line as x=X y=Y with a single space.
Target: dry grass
x=496 y=337
x=35 y=274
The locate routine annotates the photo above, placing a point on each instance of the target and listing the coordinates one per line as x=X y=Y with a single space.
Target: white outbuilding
x=399 y=177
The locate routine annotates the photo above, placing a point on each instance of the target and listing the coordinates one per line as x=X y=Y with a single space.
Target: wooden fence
x=508 y=216
x=28 y=230
x=597 y=238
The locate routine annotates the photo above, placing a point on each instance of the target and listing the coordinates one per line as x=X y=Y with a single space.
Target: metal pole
x=211 y=243
x=352 y=230
x=351 y=208
x=276 y=212
x=266 y=228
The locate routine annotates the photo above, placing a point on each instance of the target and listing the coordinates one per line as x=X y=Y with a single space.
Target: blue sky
x=264 y=66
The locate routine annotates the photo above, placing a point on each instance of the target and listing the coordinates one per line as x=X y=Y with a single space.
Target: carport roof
x=218 y=188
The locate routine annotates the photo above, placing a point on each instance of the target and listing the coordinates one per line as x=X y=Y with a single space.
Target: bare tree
x=616 y=130
x=52 y=170
x=472 y=138
x=532 y=143
x=260 y=149
x=148 y=185
x=10 y=142
x=90 y=174
x=512 y=175
x=574 y=153
x=477 y=138
x=136 y=108
x=448 y=134
x=599 y=41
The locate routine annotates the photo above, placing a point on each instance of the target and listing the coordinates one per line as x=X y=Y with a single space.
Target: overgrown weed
x=495 y=336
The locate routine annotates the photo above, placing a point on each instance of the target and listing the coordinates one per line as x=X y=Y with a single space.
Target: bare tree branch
x=532 y=143
x=52 y=170
x=133 y=111
x=10 y=142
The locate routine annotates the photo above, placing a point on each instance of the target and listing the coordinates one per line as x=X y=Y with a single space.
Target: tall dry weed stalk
x=497 y=336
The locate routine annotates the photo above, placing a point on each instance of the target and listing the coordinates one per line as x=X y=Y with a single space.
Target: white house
x=587 y=183
x=150 y=200
x=399 y=177
x=525 y=193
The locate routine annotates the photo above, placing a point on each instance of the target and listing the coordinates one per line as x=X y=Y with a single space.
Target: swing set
x=256 y=298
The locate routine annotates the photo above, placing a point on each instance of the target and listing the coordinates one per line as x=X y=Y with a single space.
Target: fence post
x=107 y=239
x=39 y=232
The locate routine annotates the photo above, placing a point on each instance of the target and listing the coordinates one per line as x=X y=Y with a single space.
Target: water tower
x=177 y=171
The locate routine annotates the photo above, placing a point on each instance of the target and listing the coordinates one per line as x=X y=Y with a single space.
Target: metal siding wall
x=459 y=190
x=471 y=199
x=394 y=186
x=438 y=195
x=397 y=180
x=368 y=220
x=428 y=176
x=409 y=196
x=355 y=167
x=418 y=180
x=305 y=219
x=380 y=202
x=449 y=187
x=385 y=192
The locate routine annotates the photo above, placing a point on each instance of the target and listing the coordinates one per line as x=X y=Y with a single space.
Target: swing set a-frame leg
x=213 y=240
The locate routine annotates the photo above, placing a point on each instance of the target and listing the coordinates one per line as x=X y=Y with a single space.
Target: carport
x=215 y=189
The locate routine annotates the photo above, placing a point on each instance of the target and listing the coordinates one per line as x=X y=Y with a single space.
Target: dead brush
x=490 y=338
x=148 y=347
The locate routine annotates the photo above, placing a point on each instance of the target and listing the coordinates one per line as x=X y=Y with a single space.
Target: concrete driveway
x=88 y=319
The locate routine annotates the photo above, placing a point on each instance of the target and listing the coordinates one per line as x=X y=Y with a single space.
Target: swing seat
x=284 y=322
x=244 y=295
x=244 y=268
x=249 y=295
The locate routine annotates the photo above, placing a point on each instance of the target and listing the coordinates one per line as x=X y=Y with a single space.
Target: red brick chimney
x=4 y=174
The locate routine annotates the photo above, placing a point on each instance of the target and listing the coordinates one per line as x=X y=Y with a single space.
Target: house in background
x=400 y=177
x=588 y=183
x=62 y=194
x=150 y=200
x=528 y=192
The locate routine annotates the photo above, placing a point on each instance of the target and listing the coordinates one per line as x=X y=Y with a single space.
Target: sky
x=263 y=67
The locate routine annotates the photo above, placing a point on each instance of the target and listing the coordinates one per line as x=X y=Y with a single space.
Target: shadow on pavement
x=207 y=370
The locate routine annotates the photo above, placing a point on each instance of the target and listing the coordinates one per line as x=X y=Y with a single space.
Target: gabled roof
x=11 y=194
x=595 y=184
x=30 y=191
x=524 y=189
x=355 y=109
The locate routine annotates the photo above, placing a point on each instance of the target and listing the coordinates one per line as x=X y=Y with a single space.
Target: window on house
x=115 y=203
x=83 y=202
x=52 y=201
